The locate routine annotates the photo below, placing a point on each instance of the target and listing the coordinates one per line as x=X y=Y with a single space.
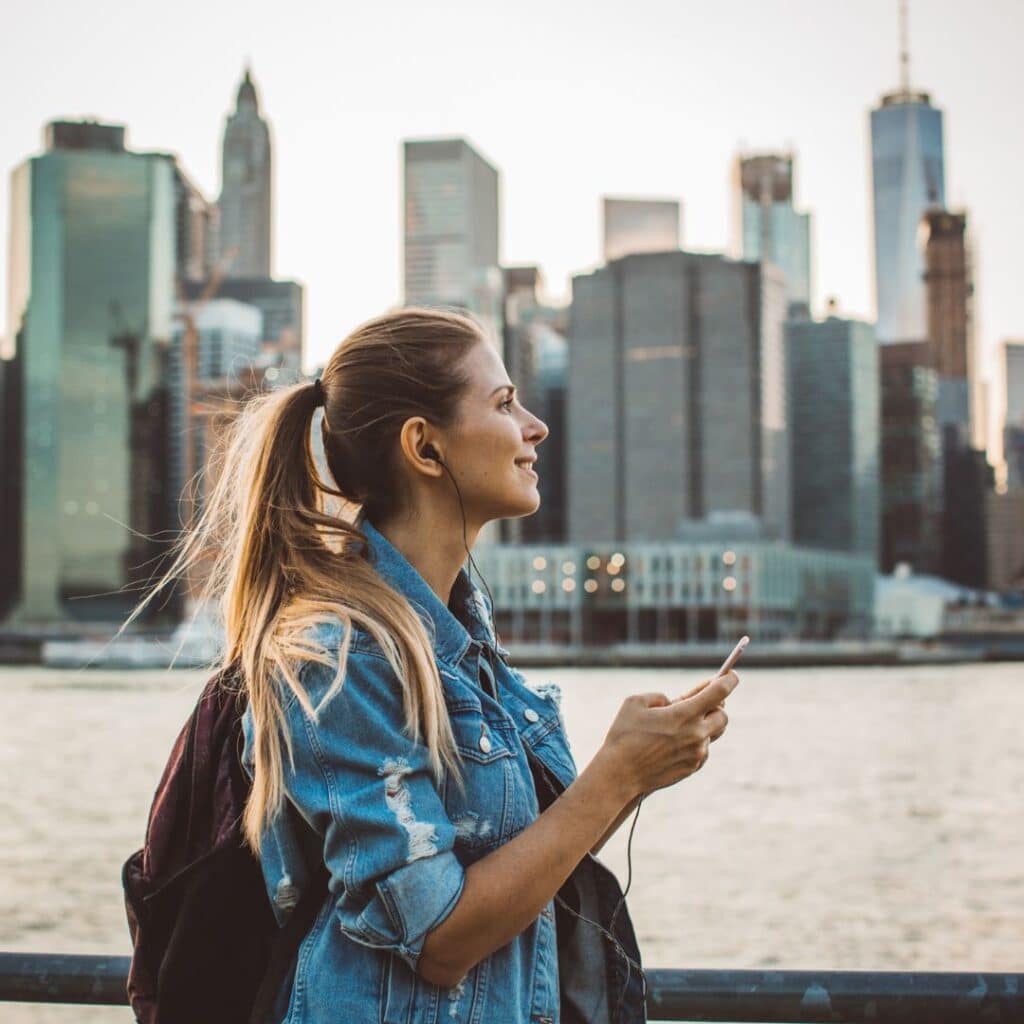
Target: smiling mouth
x=527 y=465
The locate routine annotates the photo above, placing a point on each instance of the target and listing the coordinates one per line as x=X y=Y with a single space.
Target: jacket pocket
x=481 y=809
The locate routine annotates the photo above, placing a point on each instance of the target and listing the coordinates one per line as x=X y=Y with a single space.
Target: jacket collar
x=452 y=633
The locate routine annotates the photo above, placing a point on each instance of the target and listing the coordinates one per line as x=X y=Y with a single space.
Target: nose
x=536 y=430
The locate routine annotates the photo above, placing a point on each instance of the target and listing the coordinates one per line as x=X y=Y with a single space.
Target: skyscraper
x=246 y=201
x=451 y=229
x=677 y=398
x=949 y=291
x=834 y=430
x=639 y=225
x=908 y=178
x=92 y=263
x=912 y=478
x=771 y=228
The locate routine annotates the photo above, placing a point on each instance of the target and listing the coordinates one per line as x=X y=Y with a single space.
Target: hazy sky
x=570 y=100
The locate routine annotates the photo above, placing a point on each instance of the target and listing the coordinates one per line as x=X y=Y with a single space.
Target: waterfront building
x=835 y=434
x=911 y=458
x=908 y=178
x=1004 y=516
x=605 y=592
x=451 y=229
x=677 y=405
x=246 y=199
x=639 y=225
x=771 y=229
x=91 y=292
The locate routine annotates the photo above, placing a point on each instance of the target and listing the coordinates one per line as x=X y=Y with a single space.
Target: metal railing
x=672 y=994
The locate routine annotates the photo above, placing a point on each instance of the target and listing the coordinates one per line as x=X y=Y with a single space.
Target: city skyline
x=558 y=157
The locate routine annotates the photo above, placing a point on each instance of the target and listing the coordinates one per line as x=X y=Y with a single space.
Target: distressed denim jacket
x=362 y=800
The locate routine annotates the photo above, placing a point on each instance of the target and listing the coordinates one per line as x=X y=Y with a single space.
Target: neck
x=432 y=543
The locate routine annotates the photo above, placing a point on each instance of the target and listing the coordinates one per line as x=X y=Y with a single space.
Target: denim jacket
x=362 y=800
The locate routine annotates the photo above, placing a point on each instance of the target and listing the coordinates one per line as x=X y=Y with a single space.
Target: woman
x=385 y=733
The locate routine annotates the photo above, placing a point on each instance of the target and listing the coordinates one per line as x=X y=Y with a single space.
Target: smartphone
x=734 y=656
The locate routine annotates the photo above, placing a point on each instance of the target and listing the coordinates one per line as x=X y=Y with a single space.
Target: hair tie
x=318 y=391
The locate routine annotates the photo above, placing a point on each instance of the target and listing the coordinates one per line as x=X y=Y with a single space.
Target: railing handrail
x=672 y=994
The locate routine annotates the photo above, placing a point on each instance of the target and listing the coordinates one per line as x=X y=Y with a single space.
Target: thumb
x=652 y=700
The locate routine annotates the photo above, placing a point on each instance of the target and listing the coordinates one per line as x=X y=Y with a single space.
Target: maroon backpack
x=206 y=944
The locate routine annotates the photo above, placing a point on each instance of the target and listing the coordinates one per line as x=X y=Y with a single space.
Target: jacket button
x=485 y=744
x=530 y=715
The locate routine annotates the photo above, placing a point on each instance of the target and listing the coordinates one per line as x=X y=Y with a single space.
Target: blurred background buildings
x=722 y=457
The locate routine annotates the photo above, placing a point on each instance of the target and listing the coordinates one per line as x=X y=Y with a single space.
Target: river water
x=848 y=819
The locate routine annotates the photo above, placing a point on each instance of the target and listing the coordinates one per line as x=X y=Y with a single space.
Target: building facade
x=639 y=225
x=451 y=229
x=771 y=229
x=908 y=178
x=1013 y=418
x=537 y=360
x=949 y=293
x=246 y=200
x=676 y=592
x=677 y=408
x=911 y=459
x=835 y=434
x=92 y=268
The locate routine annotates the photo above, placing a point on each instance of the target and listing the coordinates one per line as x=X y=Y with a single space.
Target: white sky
x=571 y=100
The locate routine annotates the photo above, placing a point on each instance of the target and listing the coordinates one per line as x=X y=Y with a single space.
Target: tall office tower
x=92 y=261
x=451 y=229
x=536 y=357
x=639 y=225
x=677 y=398
x=966 y=475
x=771 y=229
x=246 y=199
x=949 y=293
x=1013 y=425
x=834 y=431
x=908 y=178
x=912 y=485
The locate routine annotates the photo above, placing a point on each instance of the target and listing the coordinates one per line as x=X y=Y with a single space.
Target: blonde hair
x=284 y=558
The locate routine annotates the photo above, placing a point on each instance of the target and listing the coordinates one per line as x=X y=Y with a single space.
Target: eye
x=507 y=403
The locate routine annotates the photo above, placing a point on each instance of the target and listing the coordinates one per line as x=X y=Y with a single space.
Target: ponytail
x=281 y=561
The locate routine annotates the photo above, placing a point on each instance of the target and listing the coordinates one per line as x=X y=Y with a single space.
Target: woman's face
x=492 y=448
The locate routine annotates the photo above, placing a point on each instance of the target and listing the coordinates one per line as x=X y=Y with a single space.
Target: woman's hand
x=654 y=742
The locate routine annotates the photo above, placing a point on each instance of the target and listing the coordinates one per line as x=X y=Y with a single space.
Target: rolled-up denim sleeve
x=367 y=788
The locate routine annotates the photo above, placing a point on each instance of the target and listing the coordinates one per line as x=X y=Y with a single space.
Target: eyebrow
x=504 y=387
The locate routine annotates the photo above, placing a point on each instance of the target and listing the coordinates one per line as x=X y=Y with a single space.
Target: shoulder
x=366 y=675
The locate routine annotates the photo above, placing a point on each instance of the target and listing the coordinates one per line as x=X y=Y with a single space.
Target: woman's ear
x=418 y=450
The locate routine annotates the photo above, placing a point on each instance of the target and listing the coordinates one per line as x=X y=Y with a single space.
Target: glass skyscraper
x=908 y=178
x=92 y=265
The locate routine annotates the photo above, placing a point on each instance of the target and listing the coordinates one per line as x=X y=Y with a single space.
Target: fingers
x=650 y=700
x=710 y=696
x=715 y=721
